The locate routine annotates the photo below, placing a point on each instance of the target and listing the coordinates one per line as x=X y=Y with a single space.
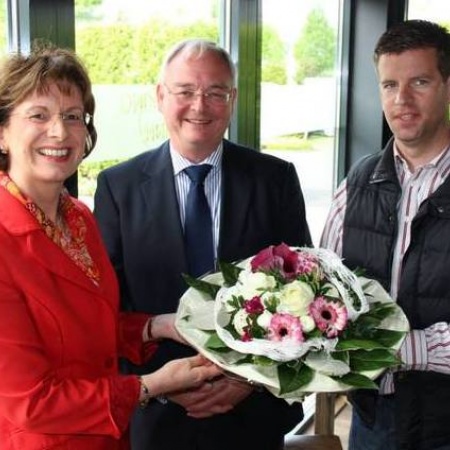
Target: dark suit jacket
x=138 y=214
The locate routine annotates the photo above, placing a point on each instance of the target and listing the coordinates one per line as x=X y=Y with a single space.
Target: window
x=298 y=95
x=299 y=101
x=122 y=43
x=3 y=29
x=433 y=10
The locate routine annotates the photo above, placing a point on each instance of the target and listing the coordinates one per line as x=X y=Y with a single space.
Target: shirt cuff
x=413 y=352
x=438 y=344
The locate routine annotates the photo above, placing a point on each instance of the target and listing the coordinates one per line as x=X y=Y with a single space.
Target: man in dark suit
x=255 y=200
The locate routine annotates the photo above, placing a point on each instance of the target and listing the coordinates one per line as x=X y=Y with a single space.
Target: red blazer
x=60 y=338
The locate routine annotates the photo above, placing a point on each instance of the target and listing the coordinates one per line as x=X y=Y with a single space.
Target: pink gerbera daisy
x=285 y=327
x=330 y=317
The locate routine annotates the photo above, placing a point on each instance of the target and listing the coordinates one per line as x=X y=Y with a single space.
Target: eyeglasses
x=73 y=119
x=218 y=97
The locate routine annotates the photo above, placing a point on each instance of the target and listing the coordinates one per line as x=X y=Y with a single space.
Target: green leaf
x=356 y=380
x=230 y=328
x=367 y=323
x=380 y=310
x=355 y=344
x=341 y=356
x=361 y=360
x=293 y=378
x=215 y=343
x=230 y=272
x=222 y=350
x=202 y=286
x=261 y=360
x=388 y=338
x=247 y=359
x=272 y=303
x=256 y=359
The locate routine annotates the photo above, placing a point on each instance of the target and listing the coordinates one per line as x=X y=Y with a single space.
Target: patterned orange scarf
x=68 y=232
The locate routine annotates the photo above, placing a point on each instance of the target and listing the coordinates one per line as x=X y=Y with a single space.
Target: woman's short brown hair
x=22 y=75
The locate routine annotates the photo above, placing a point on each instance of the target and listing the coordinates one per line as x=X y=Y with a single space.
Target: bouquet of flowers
x=295 y=320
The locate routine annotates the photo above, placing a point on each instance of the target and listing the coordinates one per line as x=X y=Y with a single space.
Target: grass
x=298 y=142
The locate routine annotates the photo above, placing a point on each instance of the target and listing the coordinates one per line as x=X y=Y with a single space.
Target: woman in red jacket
x=60 y=330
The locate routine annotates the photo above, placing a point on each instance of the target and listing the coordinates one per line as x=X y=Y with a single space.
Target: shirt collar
x=437 y=162
x=179 y=162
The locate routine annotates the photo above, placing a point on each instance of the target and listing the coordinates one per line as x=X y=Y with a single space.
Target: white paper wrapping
x=197 y=314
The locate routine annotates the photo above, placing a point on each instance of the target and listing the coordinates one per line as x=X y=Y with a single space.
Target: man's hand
x=213 y=397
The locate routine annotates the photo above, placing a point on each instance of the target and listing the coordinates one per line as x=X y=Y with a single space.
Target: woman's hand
x=162 y=326
x=181 y=374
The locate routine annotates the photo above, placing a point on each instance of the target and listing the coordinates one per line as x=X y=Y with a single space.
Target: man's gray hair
x=197 y=48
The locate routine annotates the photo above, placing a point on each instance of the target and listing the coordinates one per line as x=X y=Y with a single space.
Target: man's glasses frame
x=214 y=96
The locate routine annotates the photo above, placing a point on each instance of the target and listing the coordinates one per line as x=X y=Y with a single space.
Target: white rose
x=252 y=284
x=295 y=298
x=308 y=323
x=263 y=319
x=240 y=321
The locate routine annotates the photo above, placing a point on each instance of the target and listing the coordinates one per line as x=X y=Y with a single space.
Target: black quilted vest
x=422 y=398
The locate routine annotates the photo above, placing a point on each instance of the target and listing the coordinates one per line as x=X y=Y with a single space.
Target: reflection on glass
x=298 y=95
x=122 y=43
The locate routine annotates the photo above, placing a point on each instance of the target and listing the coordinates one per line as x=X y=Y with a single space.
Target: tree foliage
x=273 y=57
x=85 y=9
x=87 y=3
x=127 y=54
x=316 y=47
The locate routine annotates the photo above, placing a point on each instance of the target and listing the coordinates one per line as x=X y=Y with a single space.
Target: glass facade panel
x=3 y=28
x=434 y=10
x=122 y=43
x=298 y=95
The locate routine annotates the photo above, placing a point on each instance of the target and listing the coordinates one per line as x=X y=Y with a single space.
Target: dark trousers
x=254 y=425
